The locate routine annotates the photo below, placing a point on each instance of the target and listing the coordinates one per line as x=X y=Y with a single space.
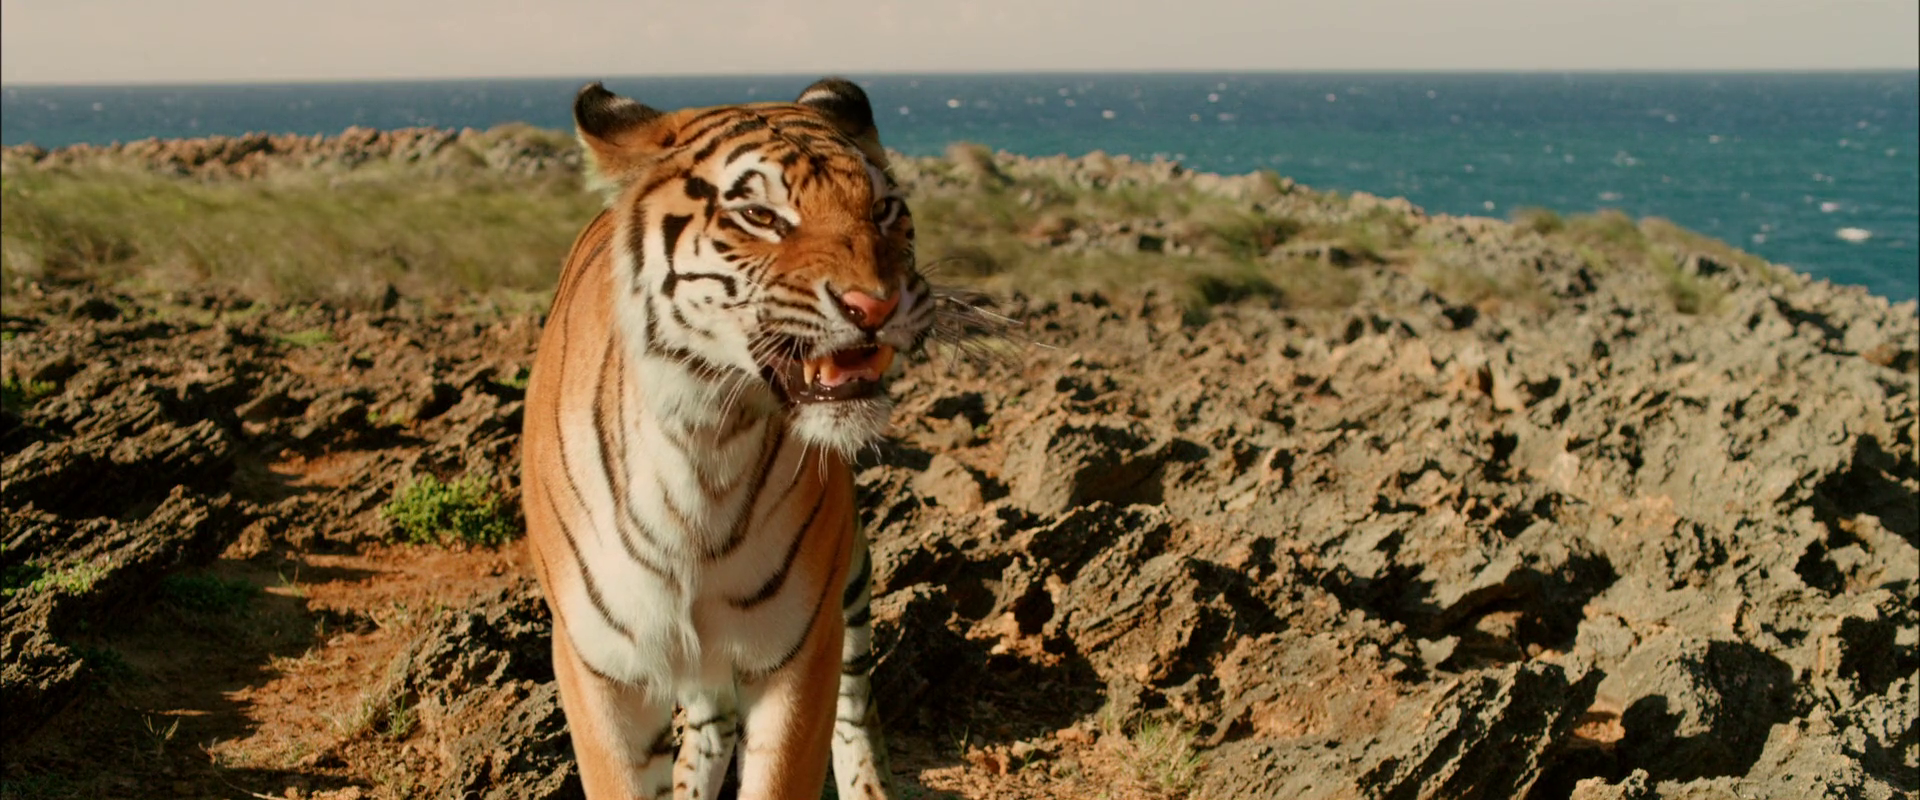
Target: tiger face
x=764 y=256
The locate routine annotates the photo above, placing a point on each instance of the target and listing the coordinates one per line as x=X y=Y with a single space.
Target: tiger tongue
x=864 y=363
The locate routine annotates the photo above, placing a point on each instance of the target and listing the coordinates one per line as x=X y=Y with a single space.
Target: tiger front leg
x=706 y=746
x=622 y=733
x=790 y=716
x=860 y=768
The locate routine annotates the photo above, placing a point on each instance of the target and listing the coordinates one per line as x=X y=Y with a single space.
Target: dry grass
x=1156 y=755
x=465 y=228
x=342 y=236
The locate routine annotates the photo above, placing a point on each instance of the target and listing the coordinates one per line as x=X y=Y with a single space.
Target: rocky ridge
x=1421 y=546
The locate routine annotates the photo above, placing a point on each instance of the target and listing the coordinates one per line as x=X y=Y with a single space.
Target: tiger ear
x=847 y=107
x=619 y=135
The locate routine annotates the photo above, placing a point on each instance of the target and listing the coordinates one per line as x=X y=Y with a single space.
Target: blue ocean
x=1820 y=171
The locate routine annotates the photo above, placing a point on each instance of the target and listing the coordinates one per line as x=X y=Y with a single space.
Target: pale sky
x=192 y=41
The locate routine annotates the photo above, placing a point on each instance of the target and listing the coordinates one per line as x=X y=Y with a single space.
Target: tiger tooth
x=807 y=370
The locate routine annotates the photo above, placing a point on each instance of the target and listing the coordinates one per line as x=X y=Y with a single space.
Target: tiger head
x=763 y=255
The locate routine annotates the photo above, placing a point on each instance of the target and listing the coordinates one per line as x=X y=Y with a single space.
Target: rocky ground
x=1416 y=546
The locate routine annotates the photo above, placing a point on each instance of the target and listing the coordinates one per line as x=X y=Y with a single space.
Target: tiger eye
x=759 y=215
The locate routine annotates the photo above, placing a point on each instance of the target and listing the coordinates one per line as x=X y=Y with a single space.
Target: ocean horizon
x=1816 y=170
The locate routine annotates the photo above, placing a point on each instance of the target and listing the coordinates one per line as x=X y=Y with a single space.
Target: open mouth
x=850 y=374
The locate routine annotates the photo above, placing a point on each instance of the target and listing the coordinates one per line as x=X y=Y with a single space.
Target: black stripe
x=572 y=270
x=860 y=617
x=714 y=492
x=774 y=299
x=711 y=127
x=793 y=651
x=686 y=325
x=616 y=483
x=710 y=721
x=813 y=127
x=743 y=422
x=637 y=244
x=740 y=128
x=858 y=583
x=743 y=185
x=586 y=574
x=671 y=227
x=860 y=665
x=566 y=471
x=598 y=674
x=662 y=745
x=735 y=154
x=779 y=577
x=679 y=517
x=739 y=532
x=686 y=359
x=810 y=144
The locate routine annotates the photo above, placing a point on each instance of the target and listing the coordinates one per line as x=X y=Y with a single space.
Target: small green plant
x=428 y=511
x=1164 y=756
x=1158 y=754
x=396 y=721
x=206 y=594
x=292 y=585
x=18 y=395
x=19 y=576
x=393 y=417
x=32 y=578
x=307 y=338
x=518 y=380
x=160 y=734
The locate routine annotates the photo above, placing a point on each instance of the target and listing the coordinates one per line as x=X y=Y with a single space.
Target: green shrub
x=428 y=511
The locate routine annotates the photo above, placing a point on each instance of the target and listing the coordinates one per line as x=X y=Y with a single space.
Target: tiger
x=714 y=356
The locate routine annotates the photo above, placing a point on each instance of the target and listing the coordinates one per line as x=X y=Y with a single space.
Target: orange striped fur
x=714 y=354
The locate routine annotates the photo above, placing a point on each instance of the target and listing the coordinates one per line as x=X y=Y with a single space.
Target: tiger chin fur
x=714 y=354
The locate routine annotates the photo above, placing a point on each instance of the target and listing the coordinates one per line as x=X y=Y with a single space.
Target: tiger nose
x=866 y=311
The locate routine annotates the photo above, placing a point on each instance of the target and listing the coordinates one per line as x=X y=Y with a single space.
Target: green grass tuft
x=17 y=396
x=518 y=380
x=34 y=578
x=428 y=511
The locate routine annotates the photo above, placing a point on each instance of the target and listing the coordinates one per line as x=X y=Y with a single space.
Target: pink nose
x=866 y=311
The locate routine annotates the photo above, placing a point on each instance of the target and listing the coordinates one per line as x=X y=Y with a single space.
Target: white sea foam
x=1854 y=234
